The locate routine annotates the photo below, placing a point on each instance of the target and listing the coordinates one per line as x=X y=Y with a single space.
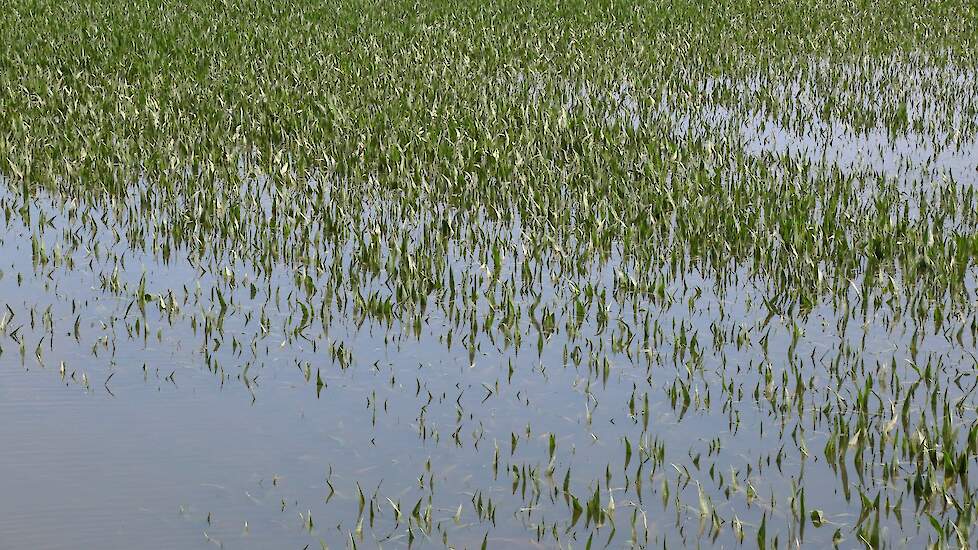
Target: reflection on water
x=153 y=400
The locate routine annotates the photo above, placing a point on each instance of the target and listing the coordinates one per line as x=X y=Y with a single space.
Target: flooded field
x=508 y=275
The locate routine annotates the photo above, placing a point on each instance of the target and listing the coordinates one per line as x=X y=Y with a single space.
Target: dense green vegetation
x=738 y=224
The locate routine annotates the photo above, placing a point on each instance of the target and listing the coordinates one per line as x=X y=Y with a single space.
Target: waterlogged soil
x=348 y=276
x=203 y=407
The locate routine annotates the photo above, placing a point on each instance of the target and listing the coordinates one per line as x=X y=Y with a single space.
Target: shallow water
x=147 y=440
x=173 y=399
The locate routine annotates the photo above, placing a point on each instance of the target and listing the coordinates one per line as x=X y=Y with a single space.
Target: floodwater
x=172 y=421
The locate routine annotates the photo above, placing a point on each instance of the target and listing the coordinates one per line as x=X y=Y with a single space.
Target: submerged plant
x=588 y=274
